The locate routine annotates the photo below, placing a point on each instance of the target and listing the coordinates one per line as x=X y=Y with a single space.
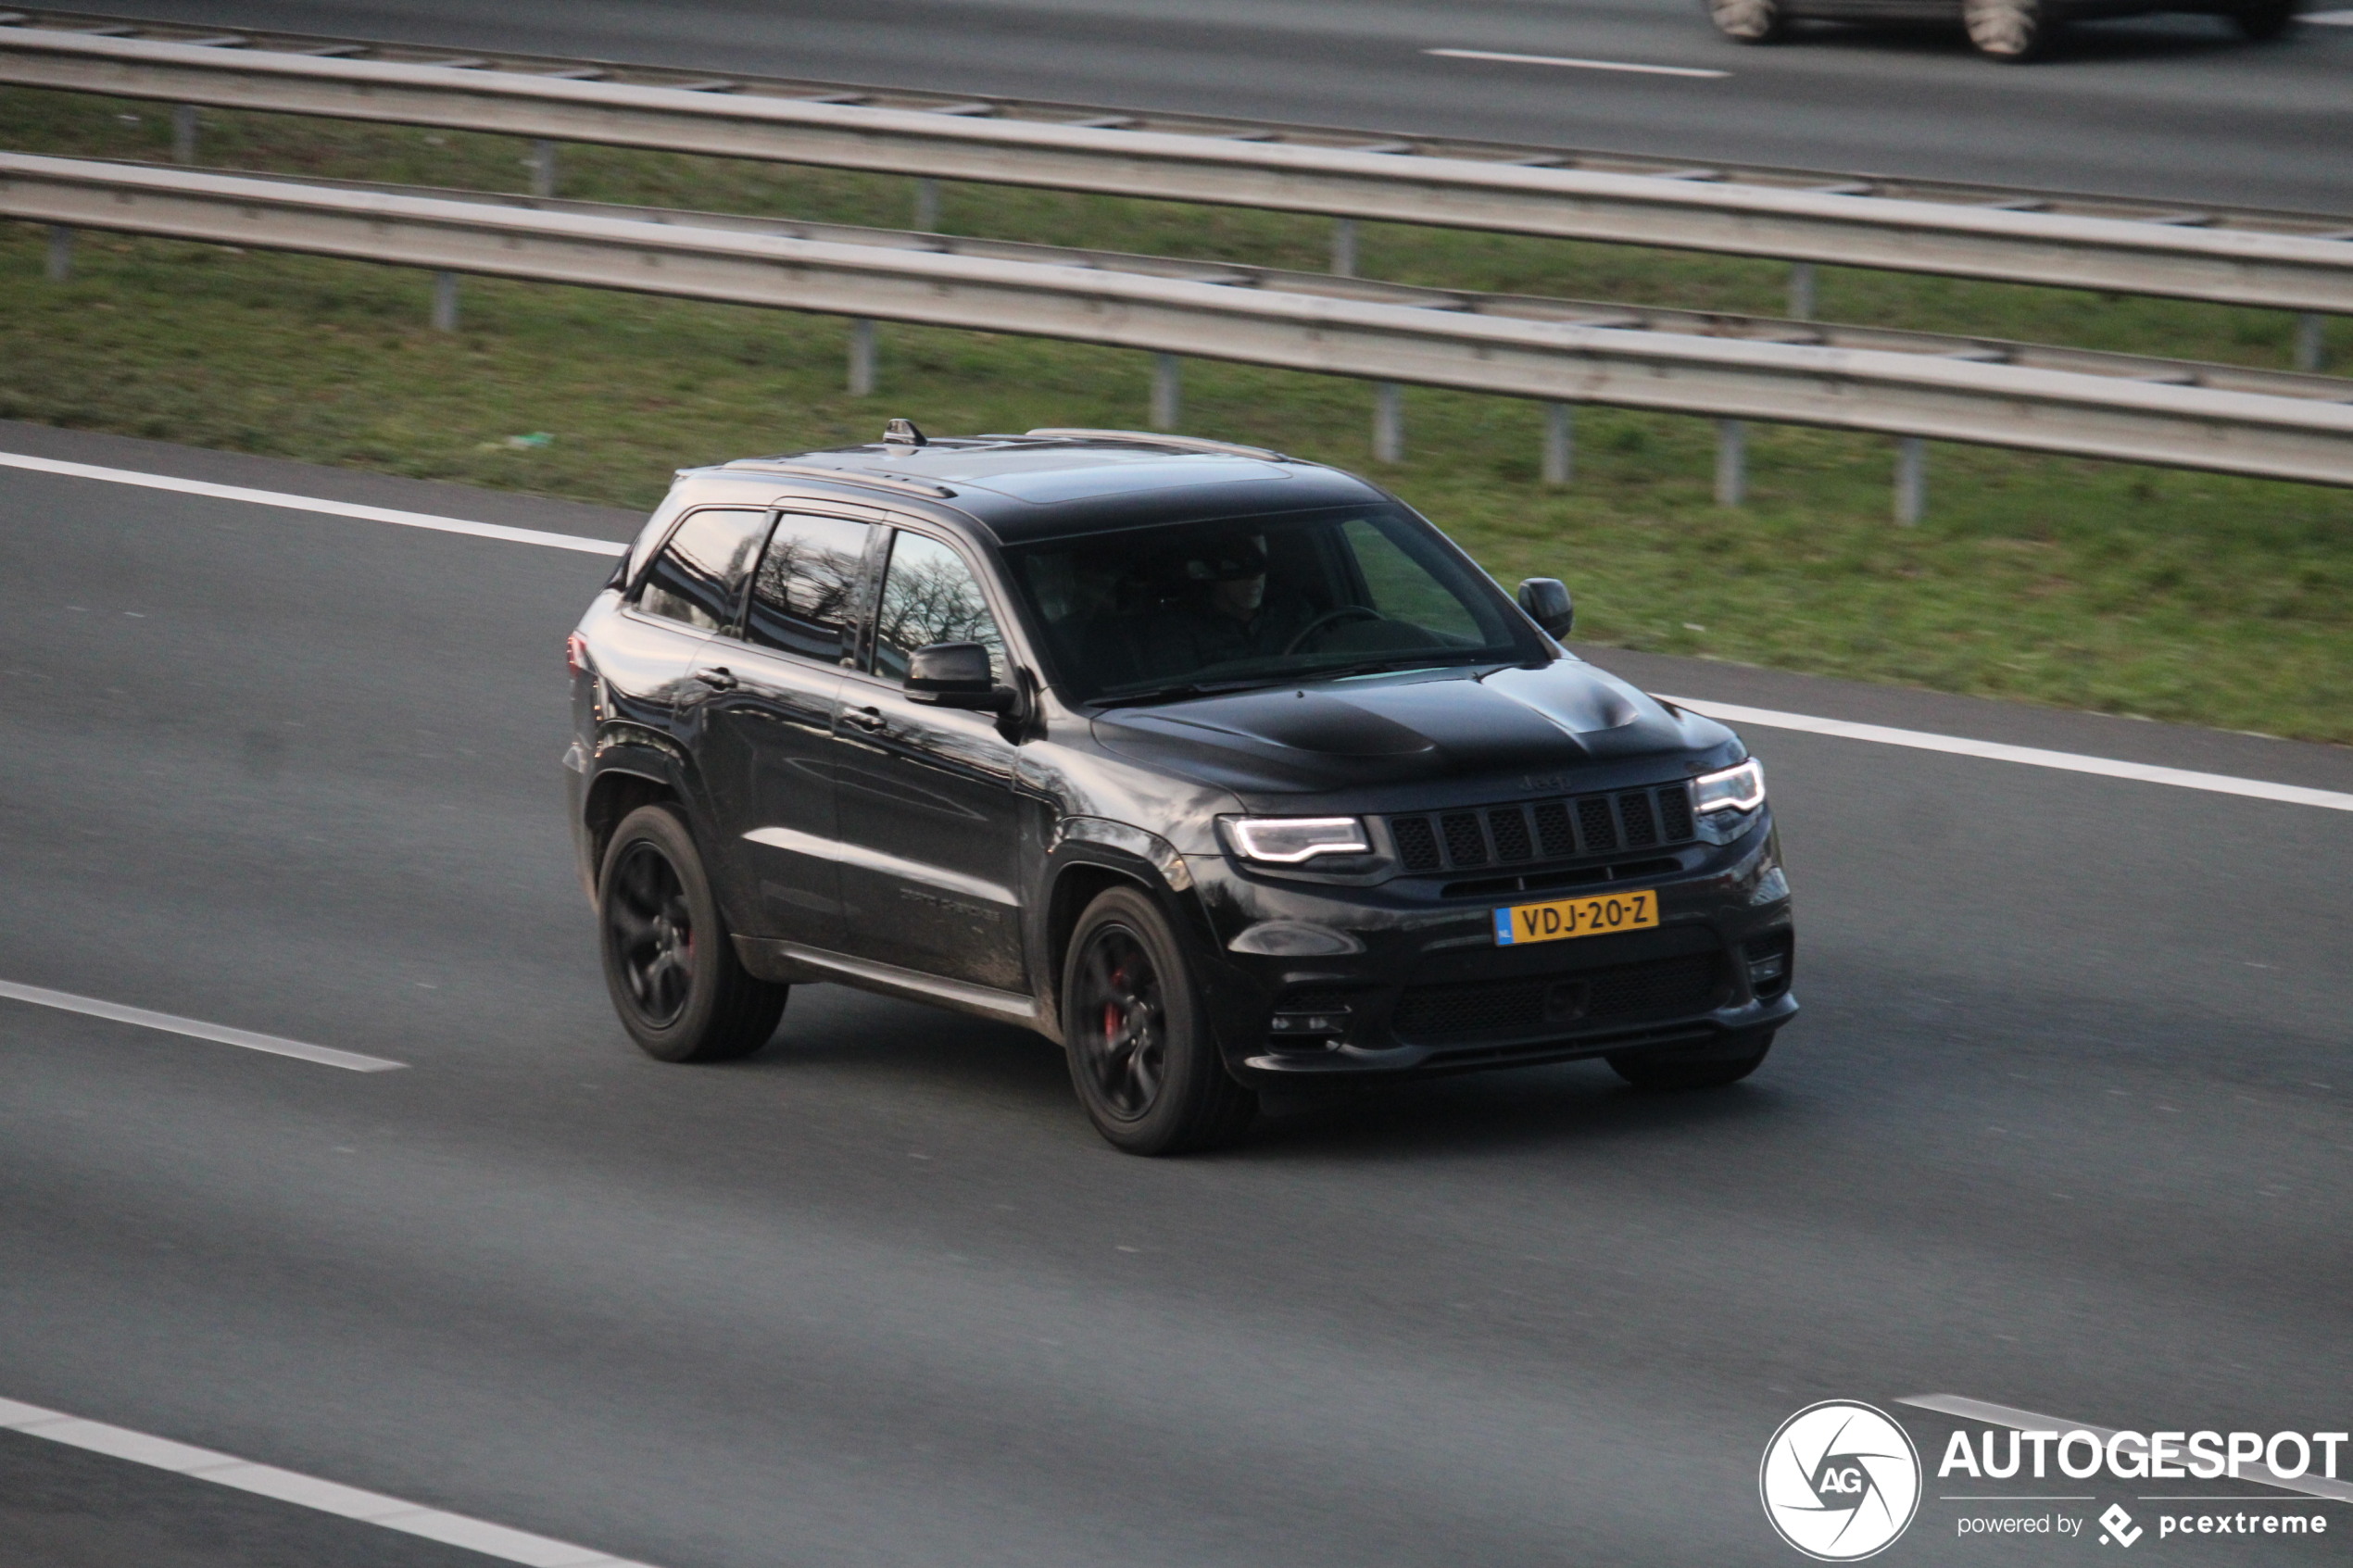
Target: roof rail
x=844 y=476
x=1154 y=438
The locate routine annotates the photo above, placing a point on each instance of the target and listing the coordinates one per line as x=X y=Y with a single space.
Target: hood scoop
x=1296 y=720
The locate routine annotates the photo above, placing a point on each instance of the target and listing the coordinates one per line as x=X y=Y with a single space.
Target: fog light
x=1333 y=1023
x=1764 y=971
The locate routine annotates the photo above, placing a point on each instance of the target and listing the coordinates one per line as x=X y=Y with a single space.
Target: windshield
x=1258 y=600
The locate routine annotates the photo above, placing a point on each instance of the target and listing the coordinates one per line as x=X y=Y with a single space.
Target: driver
x=1224 y=613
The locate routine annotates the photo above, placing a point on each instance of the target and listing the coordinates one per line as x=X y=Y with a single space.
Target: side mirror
x=1547 y=603
x=957 y=675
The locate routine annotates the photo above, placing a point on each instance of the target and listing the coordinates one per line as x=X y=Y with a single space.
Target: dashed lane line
x=1961 y=745
x=2031 y=757
x=312 y=503
x=1571 y=63
x=304 y=1491
x=197 y=1029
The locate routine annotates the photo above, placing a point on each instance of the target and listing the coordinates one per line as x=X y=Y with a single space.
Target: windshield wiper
x=1396 y=664
x=1184 y=689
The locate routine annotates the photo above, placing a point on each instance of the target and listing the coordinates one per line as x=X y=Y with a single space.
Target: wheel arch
x=614 y=792
x=1078 y=881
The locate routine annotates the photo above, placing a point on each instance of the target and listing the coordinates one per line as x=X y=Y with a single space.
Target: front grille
x=1416 y=844
x=1538 y=831
x=1465 y=846
x=1655 y=988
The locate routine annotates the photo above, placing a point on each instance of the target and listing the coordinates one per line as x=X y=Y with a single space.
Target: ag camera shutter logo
x=1839 y=1481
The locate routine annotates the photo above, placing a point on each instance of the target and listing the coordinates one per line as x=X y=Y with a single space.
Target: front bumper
x=1429 y=990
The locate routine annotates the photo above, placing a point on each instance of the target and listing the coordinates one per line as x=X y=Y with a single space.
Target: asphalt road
x=2068 y=1125
x=2173 y=107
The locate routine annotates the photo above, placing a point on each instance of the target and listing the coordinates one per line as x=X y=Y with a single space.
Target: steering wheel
x=1333 y=617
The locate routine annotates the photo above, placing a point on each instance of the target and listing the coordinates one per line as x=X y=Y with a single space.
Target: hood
x=1516 y=730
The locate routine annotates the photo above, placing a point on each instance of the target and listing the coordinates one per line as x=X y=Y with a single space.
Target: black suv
x=1227 y=771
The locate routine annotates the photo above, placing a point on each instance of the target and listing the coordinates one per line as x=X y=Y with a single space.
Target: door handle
x=867 y=719
x=719 y=679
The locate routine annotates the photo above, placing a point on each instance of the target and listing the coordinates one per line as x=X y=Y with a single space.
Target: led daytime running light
x=1287 y=841
x=1734 y=789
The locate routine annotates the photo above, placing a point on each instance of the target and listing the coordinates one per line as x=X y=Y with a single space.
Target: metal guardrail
x=1895 y=393
x=2304 y=271
x=1515 y=306
x=1408 y=144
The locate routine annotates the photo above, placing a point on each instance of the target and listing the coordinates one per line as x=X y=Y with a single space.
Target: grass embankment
x=2176 y=596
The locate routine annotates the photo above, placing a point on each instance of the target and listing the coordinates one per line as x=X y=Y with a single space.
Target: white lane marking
x=307 y=1491
x=1573 y=63
x=197 y=1029
x=312 y=503
x=2027 y=1421
x=2328 y=18
x=2033 y=756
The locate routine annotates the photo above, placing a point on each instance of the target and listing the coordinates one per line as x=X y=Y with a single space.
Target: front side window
x=698 y=577
x=804 y=596
x=1253 y=601
x=930 y=595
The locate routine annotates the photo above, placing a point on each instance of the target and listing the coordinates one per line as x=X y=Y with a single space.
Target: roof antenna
x=902 y=432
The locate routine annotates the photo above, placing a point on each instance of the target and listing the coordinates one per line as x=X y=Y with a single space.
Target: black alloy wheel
x=652 y=934
x=1695 y=1067
x=1141 y=1057
x=1122 y=1028
x=670 y=964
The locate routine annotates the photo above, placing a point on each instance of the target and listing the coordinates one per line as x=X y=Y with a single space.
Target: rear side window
x=929 y=596
x=805 y=594
x=698 y=577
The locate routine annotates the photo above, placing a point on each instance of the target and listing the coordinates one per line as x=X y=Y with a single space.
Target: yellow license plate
x=1562 y=918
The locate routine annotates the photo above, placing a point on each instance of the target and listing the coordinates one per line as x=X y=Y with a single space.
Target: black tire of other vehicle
x=670 y=964
x=1140 y=1053
x=1705 y=1067
x=1750 y=21
x=2264 y=19
x=2013 y=32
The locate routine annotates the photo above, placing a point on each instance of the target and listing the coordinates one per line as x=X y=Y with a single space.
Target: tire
x=2013 y=32
x=2264 y=19
x=1141 y=1055
x=670 y=964
x=1702 y=1067
x=1750 y=21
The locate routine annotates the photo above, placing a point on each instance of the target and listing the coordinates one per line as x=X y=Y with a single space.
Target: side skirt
x=792 y=963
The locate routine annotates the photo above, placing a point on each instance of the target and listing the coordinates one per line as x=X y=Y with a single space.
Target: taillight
x=576 y=653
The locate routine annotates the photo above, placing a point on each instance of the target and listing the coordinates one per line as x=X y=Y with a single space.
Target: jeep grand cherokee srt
x=1227 y=771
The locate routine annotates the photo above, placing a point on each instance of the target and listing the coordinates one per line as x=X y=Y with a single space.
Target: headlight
x=1734 y=789
x=1287 y=841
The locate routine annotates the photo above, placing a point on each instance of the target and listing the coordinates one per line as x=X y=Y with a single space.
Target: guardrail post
x=184 y=132
x=542 y=167
x=1560 y=443
x=444 y=302
x=2311 y=348
x=861 y=357
x=60 y=252
x=1731 y=462
x=1343 y=247
x=926 y=205
x=1388 y=423
x=1168 y=391
x=1911 y=479
x=1801 y=291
